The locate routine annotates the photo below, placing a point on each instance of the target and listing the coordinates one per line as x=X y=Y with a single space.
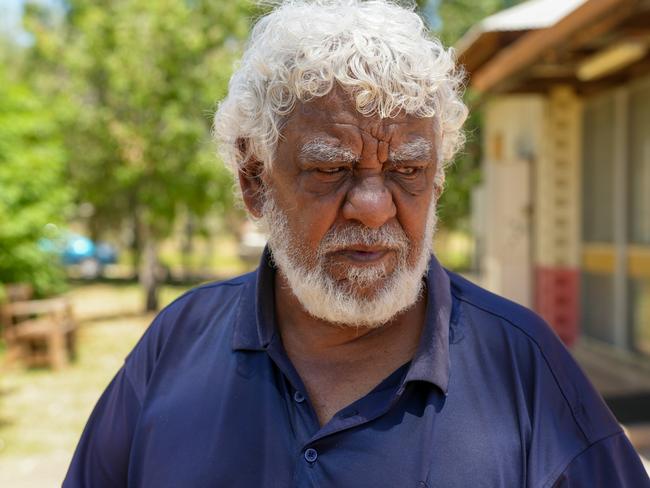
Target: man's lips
x=363 y=254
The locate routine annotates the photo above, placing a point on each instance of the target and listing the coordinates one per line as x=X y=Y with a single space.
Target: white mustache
x=339 y=238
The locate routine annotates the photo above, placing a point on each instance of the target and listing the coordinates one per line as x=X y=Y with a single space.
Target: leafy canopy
x=33 y=193
x=140 y=79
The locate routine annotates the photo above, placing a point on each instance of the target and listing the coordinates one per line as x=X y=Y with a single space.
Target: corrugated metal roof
x=534 y=14
x=530 y=15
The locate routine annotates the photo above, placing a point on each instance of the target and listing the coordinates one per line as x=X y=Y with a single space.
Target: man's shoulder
x=517 y=332
x=213 y=288
x=495 y=309
x=208 y=298
x=202 y=301
x=203 y=315
x=504 y=324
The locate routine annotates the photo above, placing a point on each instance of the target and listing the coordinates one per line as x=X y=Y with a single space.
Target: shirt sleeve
x=611 y=462
x=102 y=455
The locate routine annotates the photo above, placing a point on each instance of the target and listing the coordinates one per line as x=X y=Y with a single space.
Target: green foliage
x=140 y=79
x=32 y=191
x=459 y=15
x=455 y=203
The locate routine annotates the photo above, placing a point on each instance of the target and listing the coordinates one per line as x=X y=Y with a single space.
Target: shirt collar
x=255 y=325
x=431 y=360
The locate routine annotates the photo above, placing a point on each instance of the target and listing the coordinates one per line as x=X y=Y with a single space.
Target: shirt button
x=311 y=455
x=298 y=397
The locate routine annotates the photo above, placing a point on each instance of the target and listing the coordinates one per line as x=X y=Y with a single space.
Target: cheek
x=412 y=213
x=311 y=216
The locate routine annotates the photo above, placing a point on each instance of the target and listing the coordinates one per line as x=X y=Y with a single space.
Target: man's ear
x=250 y=180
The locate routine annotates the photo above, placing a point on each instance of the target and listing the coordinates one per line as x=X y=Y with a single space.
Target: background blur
x=113 y=200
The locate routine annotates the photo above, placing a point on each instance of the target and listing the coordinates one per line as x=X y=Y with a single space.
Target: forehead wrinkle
x=415 y=150
x=321 y=150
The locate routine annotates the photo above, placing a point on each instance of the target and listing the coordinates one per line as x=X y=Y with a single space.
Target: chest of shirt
x=247 y=425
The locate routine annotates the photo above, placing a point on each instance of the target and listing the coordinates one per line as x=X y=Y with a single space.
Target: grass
x=42 y=413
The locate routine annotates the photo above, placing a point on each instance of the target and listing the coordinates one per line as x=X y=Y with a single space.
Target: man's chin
x=366 y=291
x=352 y=302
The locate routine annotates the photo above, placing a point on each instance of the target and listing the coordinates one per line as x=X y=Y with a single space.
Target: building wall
x=531 y=204
x=512 y=140
x=557 y=214
x=616 y=217
x=565 y=210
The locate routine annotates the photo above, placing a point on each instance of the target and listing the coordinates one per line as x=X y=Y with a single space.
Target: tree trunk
x=135 y=245
x=149 y=263
x=187 y=246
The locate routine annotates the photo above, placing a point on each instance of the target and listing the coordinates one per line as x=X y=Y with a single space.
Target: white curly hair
x=379 y=52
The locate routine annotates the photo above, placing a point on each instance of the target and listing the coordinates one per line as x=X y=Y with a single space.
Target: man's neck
x=340 y=363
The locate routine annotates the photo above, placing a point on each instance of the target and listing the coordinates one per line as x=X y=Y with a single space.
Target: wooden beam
x=475 y=55
x=600 y=28
x=638 y=70
x=542 y=84
x=480 y=51
x=524 y=52
x=555 y=70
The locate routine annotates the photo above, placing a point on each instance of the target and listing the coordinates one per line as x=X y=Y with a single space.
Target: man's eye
x=406 y=171
x=331 y=171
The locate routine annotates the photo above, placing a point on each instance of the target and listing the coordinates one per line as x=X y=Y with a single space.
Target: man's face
x=350 y=208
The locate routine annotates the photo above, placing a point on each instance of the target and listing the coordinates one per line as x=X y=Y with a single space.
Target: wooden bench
x=39 y=332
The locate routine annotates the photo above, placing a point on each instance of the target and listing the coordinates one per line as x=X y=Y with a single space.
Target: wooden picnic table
x=39 y=332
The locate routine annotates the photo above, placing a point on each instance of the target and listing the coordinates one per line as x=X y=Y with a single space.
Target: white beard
x=336 y=301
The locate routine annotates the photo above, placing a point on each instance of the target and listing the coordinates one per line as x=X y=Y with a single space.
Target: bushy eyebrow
x=418 y=149
x=322 y=151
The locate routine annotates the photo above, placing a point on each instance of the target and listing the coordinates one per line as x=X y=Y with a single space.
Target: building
x=564 y=86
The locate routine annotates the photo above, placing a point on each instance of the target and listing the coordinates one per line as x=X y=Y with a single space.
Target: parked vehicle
x=76 y=250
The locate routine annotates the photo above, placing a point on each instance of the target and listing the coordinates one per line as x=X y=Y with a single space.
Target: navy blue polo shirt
x=209 y=398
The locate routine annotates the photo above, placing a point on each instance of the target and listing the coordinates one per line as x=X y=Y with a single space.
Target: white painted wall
x=512 y=135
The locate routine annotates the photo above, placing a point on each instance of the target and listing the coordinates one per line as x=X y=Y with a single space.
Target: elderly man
x=350 y=357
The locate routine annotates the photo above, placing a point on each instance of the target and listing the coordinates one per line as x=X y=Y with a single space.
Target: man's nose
x=369 y=202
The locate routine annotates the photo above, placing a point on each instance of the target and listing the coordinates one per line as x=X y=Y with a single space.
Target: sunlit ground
x=42 y=413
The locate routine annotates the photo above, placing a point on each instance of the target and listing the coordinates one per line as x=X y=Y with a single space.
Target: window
x=616 y=217
x=640 y=314
x=639 y=169
x=597 y=173
x=597 y=309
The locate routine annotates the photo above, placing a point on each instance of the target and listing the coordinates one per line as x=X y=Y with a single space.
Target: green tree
x=458 y=16
x=141 y=78
x=32 y=190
